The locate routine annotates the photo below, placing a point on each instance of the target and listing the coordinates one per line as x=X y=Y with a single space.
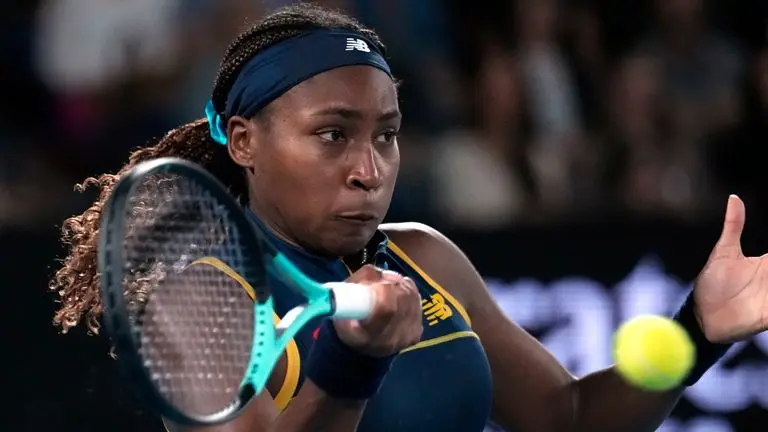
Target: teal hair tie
x=215 y=124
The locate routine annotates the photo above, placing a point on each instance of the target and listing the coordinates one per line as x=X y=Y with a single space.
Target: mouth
x=359 y=218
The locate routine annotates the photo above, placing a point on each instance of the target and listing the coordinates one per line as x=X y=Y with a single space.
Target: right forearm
x=314 y=410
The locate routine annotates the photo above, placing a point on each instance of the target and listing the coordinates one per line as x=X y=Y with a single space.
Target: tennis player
x=303 y=126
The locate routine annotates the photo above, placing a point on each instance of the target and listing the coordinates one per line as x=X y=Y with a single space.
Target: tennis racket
x=180 y=264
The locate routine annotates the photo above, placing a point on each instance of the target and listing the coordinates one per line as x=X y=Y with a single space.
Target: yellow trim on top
x=452 y=300
x=291 y=379
x=441 y=339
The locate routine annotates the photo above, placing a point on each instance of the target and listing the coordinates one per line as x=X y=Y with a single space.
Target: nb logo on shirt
x=357 y=44
x=436 y=309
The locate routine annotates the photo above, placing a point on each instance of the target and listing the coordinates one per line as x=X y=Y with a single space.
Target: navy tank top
x=443 y=383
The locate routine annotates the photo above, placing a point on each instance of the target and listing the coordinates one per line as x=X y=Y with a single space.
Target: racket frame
x=116 y=317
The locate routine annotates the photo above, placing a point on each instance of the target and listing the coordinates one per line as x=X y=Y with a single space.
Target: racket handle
x=353 y=301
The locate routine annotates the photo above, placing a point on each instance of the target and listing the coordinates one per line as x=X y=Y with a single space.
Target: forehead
x=362 y=88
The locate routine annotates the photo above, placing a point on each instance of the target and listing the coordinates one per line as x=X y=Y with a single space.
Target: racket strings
x=193 y=322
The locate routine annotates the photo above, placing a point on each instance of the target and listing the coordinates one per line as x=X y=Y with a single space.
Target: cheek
x=389 y=166
x=307 y=186
x=287 y=175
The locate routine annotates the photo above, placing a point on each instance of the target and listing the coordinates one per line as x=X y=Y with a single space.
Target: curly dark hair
x=77 y=281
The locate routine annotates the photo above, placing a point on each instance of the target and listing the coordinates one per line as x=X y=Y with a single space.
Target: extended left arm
x=533 y=392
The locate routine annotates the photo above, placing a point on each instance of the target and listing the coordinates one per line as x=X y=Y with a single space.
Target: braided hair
x=77 y=281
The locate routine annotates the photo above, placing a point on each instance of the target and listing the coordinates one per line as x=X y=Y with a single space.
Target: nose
x=364 y=173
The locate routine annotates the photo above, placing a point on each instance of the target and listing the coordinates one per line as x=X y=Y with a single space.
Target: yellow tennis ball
x=653 y=352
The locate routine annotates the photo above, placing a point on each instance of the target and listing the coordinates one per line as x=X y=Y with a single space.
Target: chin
x=343 y=244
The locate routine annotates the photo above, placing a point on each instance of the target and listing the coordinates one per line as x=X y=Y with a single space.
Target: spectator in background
x=584 y=42
x=701 y=69
x=108 y=63
x=738 y=159
x=642 y=164
x=33 y=186
x=483 y=178
x=699 y=72
x=550 y=90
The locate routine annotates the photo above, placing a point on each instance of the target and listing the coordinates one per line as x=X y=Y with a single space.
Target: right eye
x=331 y=136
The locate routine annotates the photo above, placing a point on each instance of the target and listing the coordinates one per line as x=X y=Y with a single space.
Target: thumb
x=730 y=238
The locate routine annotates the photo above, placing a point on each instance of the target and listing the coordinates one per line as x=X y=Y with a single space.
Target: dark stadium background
x=566 y=235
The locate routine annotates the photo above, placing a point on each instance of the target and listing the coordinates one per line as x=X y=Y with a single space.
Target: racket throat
x=288 y=320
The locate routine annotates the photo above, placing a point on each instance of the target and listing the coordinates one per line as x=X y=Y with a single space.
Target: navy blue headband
x=284 y=65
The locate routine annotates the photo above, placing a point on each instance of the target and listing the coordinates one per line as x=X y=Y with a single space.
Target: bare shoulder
x=409 y=232
x=422 y=242
x=437 y=256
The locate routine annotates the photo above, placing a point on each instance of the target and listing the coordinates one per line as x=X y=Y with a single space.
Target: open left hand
x=731 y=292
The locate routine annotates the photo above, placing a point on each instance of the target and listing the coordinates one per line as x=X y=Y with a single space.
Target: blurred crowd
x=526 y=111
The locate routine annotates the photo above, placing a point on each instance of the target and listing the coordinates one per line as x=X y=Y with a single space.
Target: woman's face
x=323 y=158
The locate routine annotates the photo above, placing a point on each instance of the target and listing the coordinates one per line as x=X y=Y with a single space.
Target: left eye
x=387 y=137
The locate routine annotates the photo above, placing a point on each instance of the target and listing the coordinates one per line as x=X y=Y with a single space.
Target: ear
x=241 y=140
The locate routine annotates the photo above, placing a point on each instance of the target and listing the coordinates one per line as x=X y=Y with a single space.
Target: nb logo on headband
x=357 y=44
